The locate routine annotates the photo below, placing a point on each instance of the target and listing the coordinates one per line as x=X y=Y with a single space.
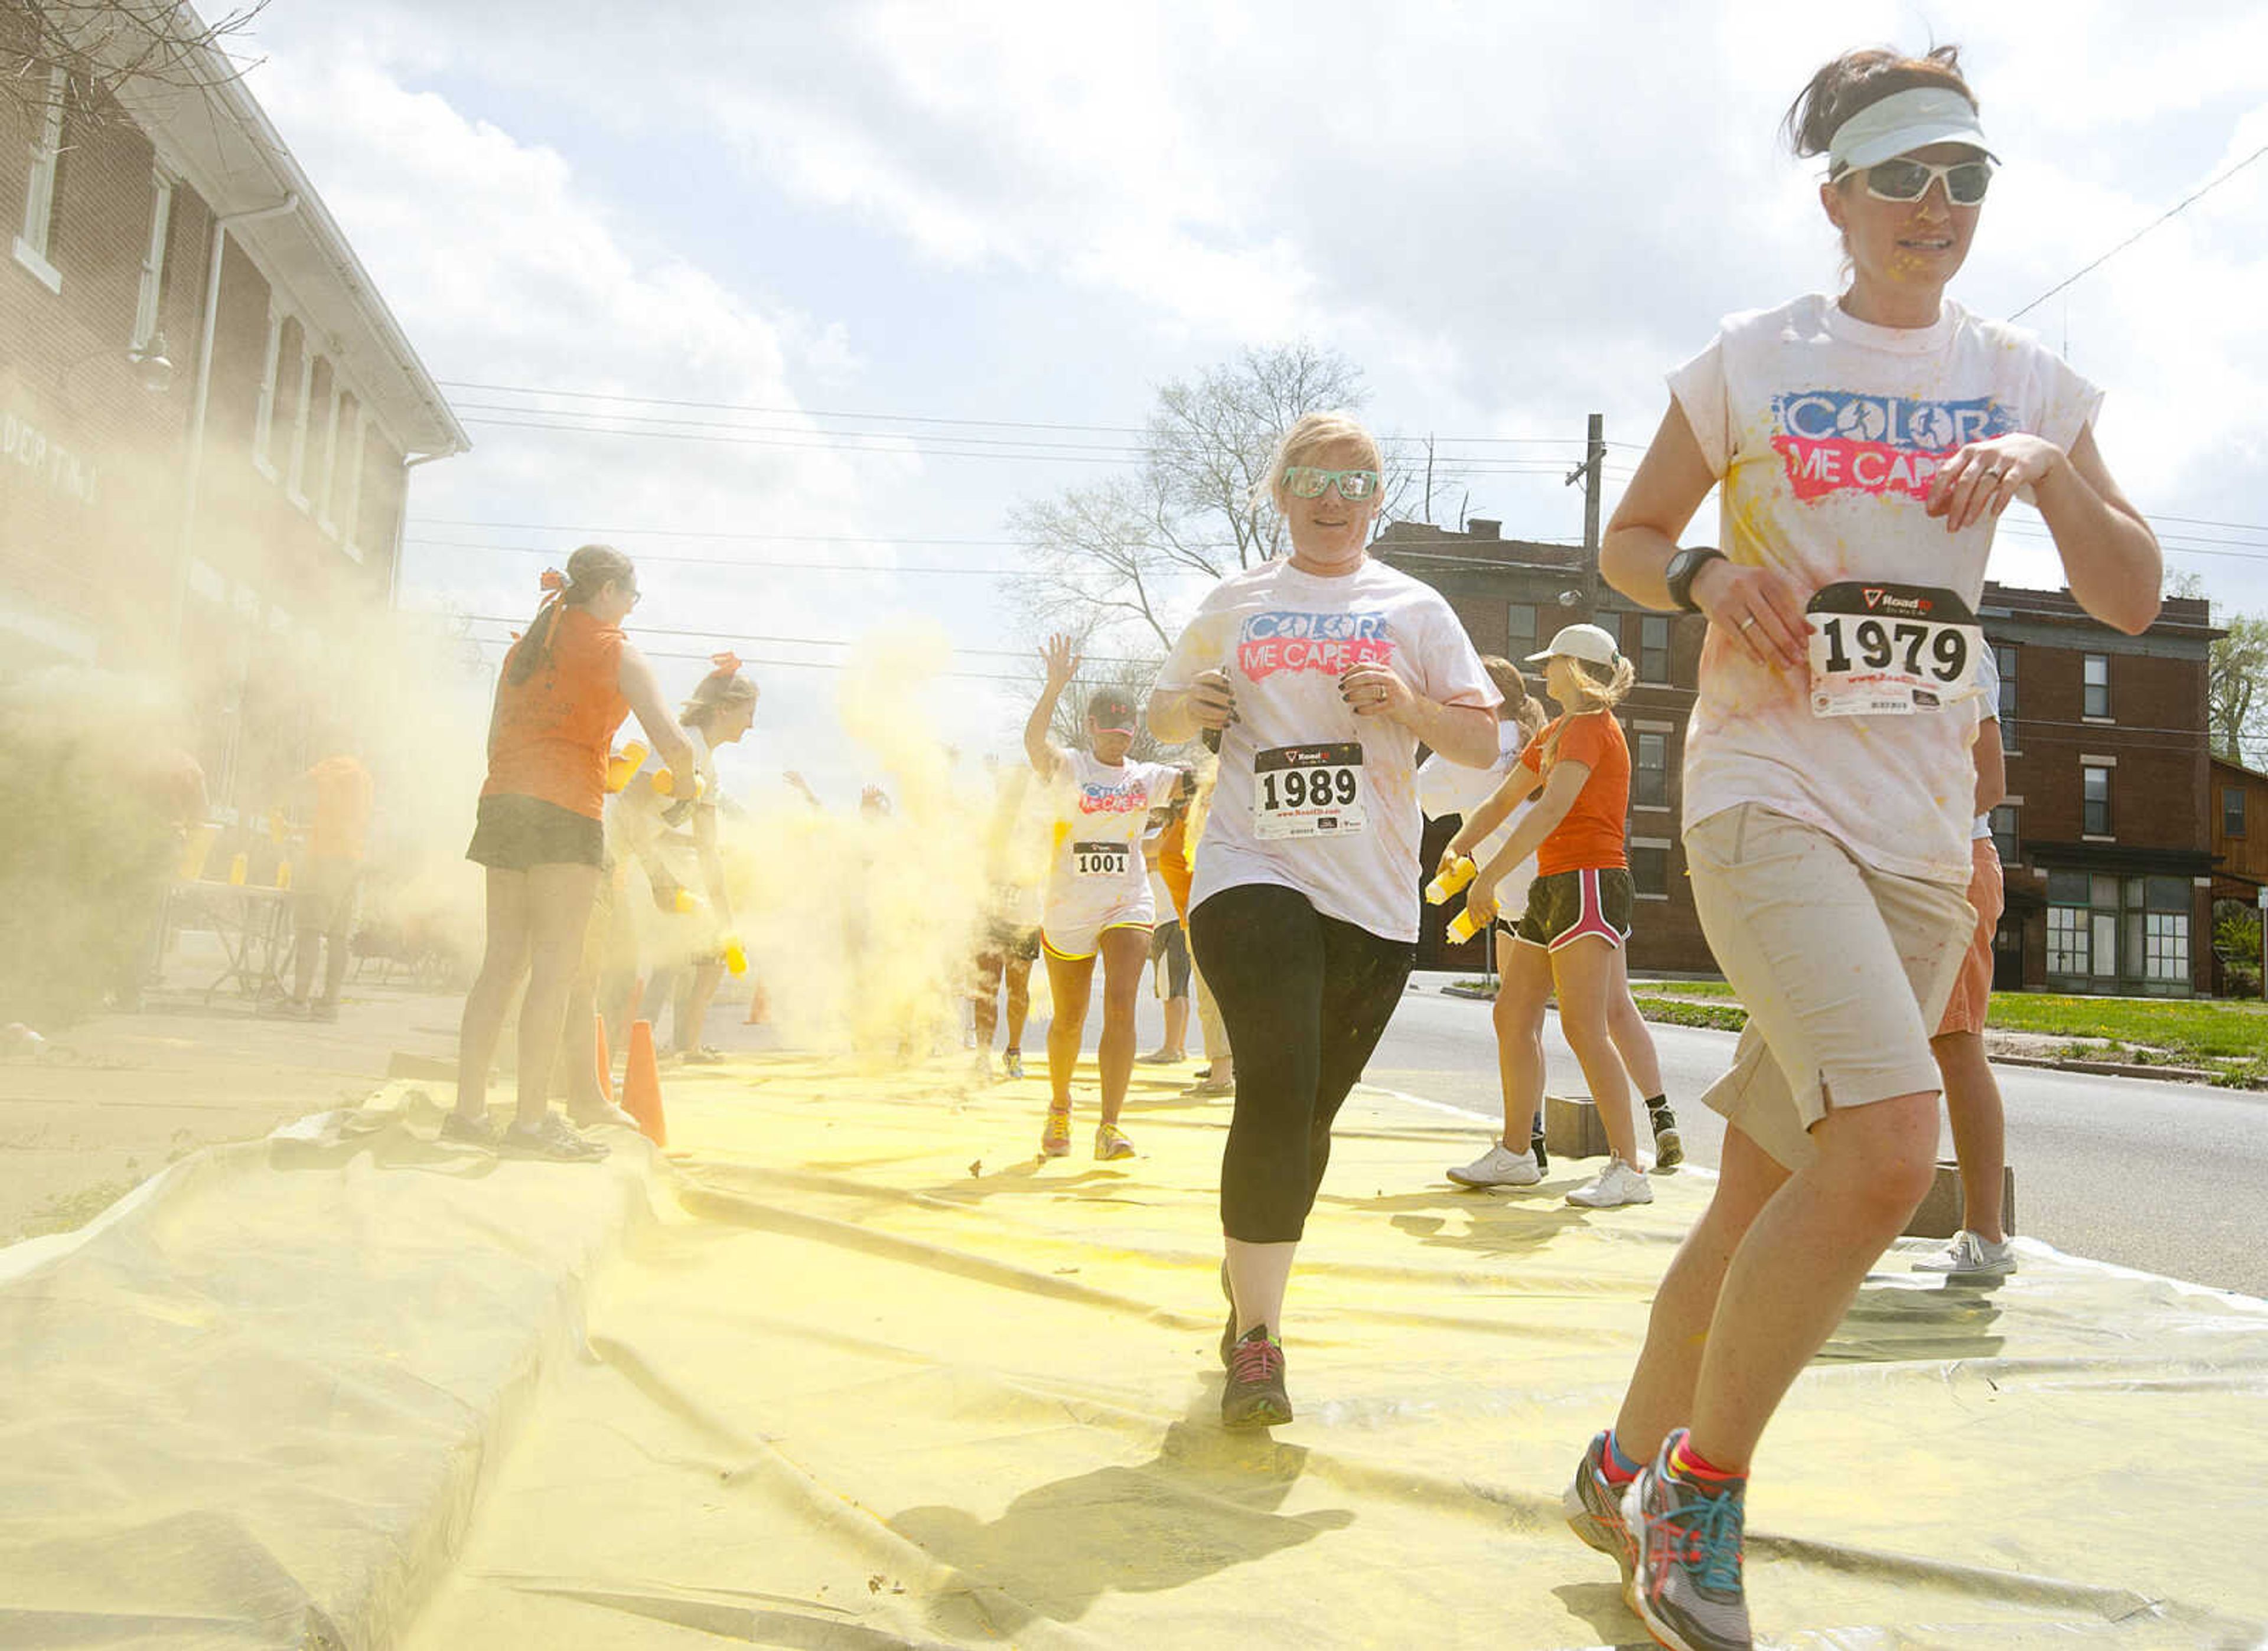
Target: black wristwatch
x=1682 y=565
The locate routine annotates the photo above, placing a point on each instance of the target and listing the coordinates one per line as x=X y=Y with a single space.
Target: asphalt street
x=2169 y=1178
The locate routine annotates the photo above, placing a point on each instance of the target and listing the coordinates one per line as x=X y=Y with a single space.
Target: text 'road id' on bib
x=1891 y=649
x=1309 y=791
x=1101 y=860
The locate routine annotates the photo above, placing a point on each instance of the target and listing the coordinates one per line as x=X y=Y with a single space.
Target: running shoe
x=1616 y=1185
x=1254 y=1394
x=1055 y=1134
x=600 y=1116
x=1971 y=1256
x=1228 y=1333
x=1497 y=1167
x=1594 y=1507
x=1669 y=1150
x=468 y=1129
x=1158 y=1058
x=979 y=1067
x=550 y=1137
x=1111 y=1142
x=1687 y=1588
x=1012 y=1063
x=1210 y=1086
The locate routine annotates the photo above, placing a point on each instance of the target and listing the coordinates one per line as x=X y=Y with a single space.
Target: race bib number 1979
x=1891 y=649
x=1309 y=791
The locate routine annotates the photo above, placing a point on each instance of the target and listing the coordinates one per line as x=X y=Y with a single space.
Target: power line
x=920 y=418
x=811 y=641
x=2179 y=205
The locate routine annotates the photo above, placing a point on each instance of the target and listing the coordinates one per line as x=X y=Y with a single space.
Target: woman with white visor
x=1324 y=671
x=1866 y=445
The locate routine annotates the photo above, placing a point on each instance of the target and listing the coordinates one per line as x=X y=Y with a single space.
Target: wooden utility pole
x=1589 y=472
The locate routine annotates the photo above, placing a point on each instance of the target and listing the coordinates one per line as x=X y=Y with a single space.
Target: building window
x=2232 y=810
x=42 y=185
x=2004 y=834
x=2096 y=677
x=2167 y=940
x=1649 y=868
x=1650 y=772
x=264 y=415
x=1520 y=631
x=295 y=472
x=2108 y=928
x=2067 y=940
x=1654 y=648
x=152 y=298
x=2095 y=802
x=1612 y=624
x=2005 y=657
x=326 y=491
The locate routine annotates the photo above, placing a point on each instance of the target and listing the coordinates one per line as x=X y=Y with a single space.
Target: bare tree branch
x=85 y=52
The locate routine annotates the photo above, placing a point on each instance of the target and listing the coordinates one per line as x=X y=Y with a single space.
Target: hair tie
x=727 y=664
x=553 y=581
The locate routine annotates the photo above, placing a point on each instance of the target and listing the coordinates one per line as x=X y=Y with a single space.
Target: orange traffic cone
x=642 y=1084
x=606 y=1058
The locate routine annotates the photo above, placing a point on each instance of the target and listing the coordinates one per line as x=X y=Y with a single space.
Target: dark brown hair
x=589 y=570
x=1859 y=79
x=1518 y=705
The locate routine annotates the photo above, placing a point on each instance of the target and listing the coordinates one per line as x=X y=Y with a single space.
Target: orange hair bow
x=727 y=664
x=553 y=581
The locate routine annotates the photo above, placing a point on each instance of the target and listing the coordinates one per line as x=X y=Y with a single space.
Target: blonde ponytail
x=1596 y=696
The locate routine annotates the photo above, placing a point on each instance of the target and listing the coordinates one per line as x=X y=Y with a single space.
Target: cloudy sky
x=876 y=272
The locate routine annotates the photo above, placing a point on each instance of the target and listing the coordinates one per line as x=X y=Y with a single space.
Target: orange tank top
x=552 y=729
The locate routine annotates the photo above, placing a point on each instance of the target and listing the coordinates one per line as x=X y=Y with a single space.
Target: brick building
x=207 y=414
x=2239 y=808
x=2105 y=834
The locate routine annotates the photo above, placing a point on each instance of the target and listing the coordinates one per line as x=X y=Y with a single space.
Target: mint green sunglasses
x=1306 y=481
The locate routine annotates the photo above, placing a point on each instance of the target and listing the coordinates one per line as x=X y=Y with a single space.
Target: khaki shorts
x=1843 y=969
x=1972 y=988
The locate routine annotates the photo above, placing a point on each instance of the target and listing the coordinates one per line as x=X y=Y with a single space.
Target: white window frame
x=1663 y=844
x=153 y=261
x=331 y=458
x=46 y=149
x=263 y=416
x=295 y=472
x=355 y=443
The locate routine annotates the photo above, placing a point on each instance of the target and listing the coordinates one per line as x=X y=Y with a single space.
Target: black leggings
x=1304 y=999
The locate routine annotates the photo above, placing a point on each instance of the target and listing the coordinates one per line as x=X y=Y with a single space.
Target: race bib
x=1101 y=860
x=1891 y=649
x=1309 y=791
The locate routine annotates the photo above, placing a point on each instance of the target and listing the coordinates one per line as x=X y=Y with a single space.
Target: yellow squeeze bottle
x=237 y=868
x=683 y=902
x=1464 y=926
x=283 y=875
x=668 y=787
x=1463 y=871
x=623 y=764
x=736 y=955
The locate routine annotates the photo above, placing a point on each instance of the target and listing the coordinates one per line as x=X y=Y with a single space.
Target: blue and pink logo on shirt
x=1328 y=642
x=1835 y=440
x=1114 y=799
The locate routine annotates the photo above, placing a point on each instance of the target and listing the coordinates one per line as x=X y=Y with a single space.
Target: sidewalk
x=855 y=1368
x=114 y=1099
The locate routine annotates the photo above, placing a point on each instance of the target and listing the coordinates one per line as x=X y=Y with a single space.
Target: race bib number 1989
x=1309 y=791
x=1891 y=649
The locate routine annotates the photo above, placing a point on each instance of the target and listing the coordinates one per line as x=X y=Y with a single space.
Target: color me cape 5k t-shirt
x=1590 y=837
x=1101 y=814
x=1825 y=433
x=1285 y=637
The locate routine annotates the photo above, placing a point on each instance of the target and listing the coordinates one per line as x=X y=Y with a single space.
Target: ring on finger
x=1748 y=621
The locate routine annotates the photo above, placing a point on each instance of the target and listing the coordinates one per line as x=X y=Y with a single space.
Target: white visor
x=1903 y=123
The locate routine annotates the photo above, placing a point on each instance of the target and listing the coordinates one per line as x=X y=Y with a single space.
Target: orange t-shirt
x=1174 y=863
x=553 y=729
x=1590 y=839
x=343 y=794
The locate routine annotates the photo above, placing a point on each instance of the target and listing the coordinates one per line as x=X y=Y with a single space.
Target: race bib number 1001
x=1891 y=649
x=1309 y=791
x=1101 y=860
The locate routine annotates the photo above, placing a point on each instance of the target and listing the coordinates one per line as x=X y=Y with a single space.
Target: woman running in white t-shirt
x=1097 y=902
x=1323 y=672
x=1865 y=445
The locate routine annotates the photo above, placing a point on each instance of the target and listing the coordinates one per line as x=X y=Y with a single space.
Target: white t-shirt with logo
x=1445 y=788
x=1101 y=814
x=1825 y=433
x=1285 y=637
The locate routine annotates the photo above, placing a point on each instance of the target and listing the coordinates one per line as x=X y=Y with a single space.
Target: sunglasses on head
x=1906 y=180
x=1306 y=481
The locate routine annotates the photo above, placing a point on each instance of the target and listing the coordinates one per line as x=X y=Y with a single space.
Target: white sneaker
x=1970 y=1256
x=1616 y=1185
x=1497 y=1167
